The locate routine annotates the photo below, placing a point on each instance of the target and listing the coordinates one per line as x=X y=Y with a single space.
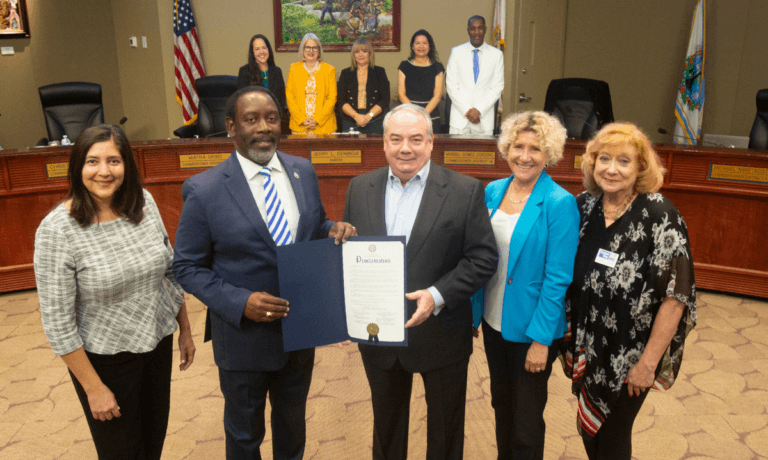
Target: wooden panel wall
x=726 y=218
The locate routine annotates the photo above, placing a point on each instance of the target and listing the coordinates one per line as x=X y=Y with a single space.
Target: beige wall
x=88 y=40
x=226 y=32
x=638 y=47
x=70 y=41
x=141 y=69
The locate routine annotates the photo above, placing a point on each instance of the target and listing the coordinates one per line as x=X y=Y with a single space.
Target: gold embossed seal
x=373 y=329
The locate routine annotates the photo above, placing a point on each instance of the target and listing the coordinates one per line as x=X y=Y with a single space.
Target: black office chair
x=69 y=108
x=758 y=136
x=583 y=105
x=212 y=92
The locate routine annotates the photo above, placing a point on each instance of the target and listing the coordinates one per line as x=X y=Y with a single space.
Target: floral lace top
x=310 y=93
x=611 y=311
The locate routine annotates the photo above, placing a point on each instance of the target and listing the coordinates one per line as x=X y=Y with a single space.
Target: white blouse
x=503 y=227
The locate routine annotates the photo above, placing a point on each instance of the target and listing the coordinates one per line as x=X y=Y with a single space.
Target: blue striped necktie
x=475 y=64
x=276 y=220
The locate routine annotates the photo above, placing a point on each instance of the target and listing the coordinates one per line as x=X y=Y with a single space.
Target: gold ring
x=269 y=314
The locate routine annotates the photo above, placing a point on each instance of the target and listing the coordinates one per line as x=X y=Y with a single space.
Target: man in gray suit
x=451 y=253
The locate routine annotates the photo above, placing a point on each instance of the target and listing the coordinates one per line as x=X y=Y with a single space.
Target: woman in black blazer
x=262 y=71
x=363 y=111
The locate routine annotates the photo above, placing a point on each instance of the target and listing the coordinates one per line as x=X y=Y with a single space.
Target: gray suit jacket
x=451 y=247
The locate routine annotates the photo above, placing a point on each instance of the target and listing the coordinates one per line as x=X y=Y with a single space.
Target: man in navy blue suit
x=225 y=255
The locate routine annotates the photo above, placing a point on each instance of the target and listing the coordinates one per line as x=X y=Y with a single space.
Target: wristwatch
x=370 y=114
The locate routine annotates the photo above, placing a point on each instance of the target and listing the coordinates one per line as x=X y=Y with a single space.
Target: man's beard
x=260 y=156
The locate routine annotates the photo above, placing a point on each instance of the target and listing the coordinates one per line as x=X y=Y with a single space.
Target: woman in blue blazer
x=536 y=224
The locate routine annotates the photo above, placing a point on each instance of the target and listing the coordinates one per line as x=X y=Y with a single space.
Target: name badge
x=607 y=258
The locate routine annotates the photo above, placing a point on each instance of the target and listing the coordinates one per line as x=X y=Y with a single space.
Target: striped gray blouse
x=109 y=287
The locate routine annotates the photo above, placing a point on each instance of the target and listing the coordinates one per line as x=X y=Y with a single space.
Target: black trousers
x=445 y=392
x=613 y=440
x=518 y=397
x=245 y=398
x=141 y=383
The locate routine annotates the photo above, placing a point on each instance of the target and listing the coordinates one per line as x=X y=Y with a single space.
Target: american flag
x=188 y=62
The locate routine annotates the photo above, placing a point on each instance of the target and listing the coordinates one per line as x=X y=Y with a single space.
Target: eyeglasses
x=311 y=48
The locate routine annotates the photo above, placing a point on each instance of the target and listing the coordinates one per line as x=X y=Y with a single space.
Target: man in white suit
x=475 y=80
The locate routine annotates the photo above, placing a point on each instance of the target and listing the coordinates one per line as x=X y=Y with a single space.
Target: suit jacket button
x=509 y=281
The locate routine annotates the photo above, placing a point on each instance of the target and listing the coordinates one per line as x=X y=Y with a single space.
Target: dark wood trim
x=726 y=219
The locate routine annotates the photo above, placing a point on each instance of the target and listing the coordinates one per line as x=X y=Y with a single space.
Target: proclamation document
x=352 y=291
x=373 y=289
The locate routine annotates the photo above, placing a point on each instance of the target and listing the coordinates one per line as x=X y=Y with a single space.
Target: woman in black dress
x=420 y=78
x=262 y=71
x=363 y=92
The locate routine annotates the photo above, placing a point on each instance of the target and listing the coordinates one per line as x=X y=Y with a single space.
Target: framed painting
x=14 y=22
x=338 y=23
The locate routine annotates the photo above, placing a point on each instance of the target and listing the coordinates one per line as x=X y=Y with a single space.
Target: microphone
x=218 y=134
x=664 y=131
x=701 y=141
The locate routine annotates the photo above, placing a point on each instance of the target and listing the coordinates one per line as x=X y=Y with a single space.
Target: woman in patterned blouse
x=633 y=300
x=108 y=298
x=311 y=90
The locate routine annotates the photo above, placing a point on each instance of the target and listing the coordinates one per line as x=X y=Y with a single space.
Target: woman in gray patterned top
x=108 y=298
x=633 y=299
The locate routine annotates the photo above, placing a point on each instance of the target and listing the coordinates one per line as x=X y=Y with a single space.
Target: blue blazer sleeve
x=543 y=270
x=326 y=224
x=563 y=237
x=193 y=258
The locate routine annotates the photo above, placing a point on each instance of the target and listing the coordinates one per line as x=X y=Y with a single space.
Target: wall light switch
x=6 y=50
x=132 y=42
x=143 y=41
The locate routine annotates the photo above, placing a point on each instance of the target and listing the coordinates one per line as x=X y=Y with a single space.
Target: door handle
x=524 y=98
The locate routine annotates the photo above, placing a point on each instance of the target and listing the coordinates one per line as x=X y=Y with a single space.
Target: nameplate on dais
x=201 y=160
x=738 y=173
x=336 y=157
x=457 y=157
x=56 y=170
x=577 y=162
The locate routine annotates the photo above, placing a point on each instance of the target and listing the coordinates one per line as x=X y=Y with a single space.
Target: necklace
x=620 y=210
x=509 y=194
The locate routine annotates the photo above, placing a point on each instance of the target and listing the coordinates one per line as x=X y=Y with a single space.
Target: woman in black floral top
x=633 y=300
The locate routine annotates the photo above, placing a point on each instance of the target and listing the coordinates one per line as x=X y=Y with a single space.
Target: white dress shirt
x=401 y=206
x=282 y=184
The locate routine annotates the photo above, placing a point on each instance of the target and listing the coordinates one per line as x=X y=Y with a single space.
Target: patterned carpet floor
x=718 y=409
